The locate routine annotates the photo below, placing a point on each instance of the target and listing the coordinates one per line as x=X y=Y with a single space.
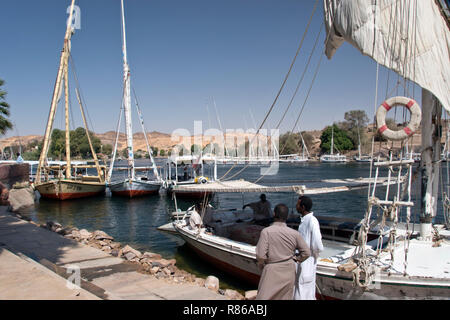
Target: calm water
x=134 y=221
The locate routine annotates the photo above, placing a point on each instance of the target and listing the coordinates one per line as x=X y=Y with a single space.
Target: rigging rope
x=281 y=88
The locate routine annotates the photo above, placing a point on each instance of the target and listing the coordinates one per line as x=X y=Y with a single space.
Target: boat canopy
x=417 y=48
x=187 y=159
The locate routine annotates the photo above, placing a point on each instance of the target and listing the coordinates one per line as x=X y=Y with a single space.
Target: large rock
x=20 y=199
x=128 y=249
x=212 y=283
x=152 y=256
x=11 y=173
x=84 y=234
x=101 y=235
x=251 y=295
x=233 y=295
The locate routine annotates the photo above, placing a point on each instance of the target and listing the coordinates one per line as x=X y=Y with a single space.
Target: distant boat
x=133 y=185
x=67 y=180
x=333 y=158
x=192 y=172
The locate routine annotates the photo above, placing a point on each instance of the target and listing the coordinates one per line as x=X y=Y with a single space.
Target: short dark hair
x=262 y=196
x=281 y=212
x=306 y=202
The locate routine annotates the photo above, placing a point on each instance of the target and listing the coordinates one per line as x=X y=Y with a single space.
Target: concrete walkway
x=23 y=278
x=25 y=249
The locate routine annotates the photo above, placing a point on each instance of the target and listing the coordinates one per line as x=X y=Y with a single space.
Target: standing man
x=309 y=229
x=275 y=253
x=262 y=210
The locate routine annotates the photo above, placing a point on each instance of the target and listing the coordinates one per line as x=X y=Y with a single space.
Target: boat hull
x=331 y=283
x=131 y=189
x=67 y=189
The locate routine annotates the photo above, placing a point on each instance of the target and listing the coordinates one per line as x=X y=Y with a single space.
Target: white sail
x=410 y=37
x=127 y=101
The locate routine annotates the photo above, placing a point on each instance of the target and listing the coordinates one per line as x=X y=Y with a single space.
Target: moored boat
x=68 y=180
x=133 y=185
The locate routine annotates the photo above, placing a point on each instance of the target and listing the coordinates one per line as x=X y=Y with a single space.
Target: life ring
x=413 y=125
x=201 y=180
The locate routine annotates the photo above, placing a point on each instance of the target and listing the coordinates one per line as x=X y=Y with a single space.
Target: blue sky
x=181 y=54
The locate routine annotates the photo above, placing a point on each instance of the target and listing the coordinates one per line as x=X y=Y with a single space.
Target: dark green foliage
x=342 y=141
x=5 y=124
x=79 y=144
x=290 y=143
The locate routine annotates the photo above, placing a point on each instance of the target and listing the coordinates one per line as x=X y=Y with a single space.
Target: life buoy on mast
x=413 y=125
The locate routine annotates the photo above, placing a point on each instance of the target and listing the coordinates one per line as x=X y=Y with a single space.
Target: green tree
x=154 y=151
x=107 y=149
x=162 y=153
x=309 y=139
x=342 y=141
x=58 y=144
x=79 y=143
x=355 y=123
x=195 y=149
x=5 y=124
x=290 y=143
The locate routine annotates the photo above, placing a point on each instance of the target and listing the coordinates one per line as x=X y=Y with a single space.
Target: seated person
x=195 y=220
x=262 y=211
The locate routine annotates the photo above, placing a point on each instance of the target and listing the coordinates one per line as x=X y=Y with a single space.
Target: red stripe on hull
x=70 y=195
x=134 y=193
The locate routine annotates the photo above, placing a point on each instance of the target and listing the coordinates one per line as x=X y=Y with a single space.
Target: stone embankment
x=149 y=263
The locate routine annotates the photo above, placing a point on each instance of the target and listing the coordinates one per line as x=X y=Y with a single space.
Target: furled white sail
x=410 y=37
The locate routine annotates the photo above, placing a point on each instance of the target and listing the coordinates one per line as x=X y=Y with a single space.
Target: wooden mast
x=66 y=94
x=430 y=161
x=94 y=155
x=56 y=92
x=127 y=101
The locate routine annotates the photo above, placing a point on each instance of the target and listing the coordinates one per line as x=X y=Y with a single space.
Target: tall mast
x=56 y=93
x=66 y=100
x=127 y=101
x=332 y=139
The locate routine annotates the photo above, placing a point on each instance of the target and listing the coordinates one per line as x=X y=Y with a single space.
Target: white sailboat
x=67 y=180
x=134 y=184
x=333 y=158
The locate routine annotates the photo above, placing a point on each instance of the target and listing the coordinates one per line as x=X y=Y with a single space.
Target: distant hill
x=163 y=141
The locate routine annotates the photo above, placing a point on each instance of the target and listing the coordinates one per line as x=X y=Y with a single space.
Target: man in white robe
x=306 y=271
x=195 y=220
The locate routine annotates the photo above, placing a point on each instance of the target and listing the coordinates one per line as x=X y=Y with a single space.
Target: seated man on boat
x=262 y=211
x=195 y=220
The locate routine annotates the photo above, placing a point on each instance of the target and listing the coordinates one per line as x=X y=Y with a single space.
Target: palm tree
x=5 y=124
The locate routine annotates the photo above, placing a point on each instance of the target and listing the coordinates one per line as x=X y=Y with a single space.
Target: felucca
x=387 y=254
x=67 y=181
x=133 y=185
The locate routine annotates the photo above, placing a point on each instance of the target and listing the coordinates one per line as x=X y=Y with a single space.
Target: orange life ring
x=413 y=125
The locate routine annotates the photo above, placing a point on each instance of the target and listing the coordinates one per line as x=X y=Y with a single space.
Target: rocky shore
x=152 y=264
